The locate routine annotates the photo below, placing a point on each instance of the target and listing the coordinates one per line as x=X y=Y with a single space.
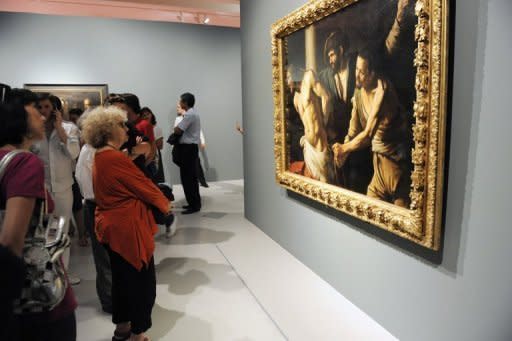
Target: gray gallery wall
x=157 y=61
x=469 y=295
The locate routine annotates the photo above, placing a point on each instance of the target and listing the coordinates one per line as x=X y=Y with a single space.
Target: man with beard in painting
x=339 y=79
x=378 y=120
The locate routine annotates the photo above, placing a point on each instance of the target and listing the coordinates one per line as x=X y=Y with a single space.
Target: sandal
x=121 y=336
x=146 y=338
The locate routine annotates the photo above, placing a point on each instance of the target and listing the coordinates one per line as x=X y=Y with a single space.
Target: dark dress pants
x=133 y=292
x=188 y=155
x=101 y=260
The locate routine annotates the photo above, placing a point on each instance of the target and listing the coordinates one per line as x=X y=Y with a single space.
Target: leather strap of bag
x=7 y=159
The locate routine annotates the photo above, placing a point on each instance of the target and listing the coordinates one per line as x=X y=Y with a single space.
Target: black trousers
x=133 y=292
x=26 y=328
x=160 y=177
x=200 y=173
x=101 y=259
x=186 y=156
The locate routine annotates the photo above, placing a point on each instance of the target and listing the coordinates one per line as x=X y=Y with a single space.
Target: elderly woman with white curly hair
x=124 y=222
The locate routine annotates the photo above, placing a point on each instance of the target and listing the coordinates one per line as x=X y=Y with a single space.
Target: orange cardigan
x=123 y=218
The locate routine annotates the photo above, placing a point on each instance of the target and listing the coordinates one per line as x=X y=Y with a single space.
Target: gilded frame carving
x=421 y=222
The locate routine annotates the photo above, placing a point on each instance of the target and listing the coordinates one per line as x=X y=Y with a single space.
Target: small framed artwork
x=81 y=96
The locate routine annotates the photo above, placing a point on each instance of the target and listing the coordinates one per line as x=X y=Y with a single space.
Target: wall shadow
x=465 y=106
x=211 y=174
x=371 y=230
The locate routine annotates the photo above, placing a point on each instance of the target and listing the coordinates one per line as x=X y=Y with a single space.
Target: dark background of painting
x=367 y=24
x=77 y=99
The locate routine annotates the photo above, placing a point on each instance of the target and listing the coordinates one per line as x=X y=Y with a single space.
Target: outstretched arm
x=394 y=34
x=354 y=129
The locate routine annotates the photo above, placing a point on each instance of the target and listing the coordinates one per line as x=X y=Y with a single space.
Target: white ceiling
x=230 y=6
x=205 y=12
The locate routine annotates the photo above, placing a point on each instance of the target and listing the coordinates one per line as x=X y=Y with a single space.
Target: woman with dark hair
x=132 y=107
x=22 y=188
x=148 y=115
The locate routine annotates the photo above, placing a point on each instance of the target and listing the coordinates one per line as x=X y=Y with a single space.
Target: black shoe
x=186 y=207
x=205 y=185
x=107 y=310
x=191 y=211
x=121 y=336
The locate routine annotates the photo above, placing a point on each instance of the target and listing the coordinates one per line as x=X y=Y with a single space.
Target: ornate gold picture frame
x=370 y=140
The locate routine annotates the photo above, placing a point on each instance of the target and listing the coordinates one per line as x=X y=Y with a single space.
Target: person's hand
x=169 y=208
x=203 y=146
x=138 y=140
x=239 y=128
x=340 y=154
x=58 y=119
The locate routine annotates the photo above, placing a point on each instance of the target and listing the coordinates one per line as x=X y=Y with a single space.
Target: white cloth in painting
x=316 y=161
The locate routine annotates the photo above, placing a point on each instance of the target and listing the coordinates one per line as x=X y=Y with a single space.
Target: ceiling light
x=206 y=20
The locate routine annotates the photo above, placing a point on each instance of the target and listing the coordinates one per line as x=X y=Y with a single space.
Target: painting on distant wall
x=360 y=111
x=81 y=96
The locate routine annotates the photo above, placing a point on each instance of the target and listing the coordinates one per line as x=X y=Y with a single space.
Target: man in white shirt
x=202 y=147
x=186 y=151
x=83 y=176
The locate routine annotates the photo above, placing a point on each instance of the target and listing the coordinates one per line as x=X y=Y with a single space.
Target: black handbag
x=173 y=139
x=162 y=218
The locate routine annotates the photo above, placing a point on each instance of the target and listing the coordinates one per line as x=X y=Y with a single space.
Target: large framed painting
x=360 y=91
x=82 y=96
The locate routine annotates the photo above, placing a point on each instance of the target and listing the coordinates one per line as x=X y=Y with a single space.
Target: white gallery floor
x=221 y=278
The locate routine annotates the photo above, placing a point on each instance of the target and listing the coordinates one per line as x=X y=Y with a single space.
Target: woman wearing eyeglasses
x=124 y=222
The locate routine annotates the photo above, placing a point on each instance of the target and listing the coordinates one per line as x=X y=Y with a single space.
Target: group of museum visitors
x=100 y=172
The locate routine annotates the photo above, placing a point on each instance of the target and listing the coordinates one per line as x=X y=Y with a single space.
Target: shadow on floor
x=164 y=321
x=195 y=235
x=231 y=188
x=186 y=275
x=191 y=328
